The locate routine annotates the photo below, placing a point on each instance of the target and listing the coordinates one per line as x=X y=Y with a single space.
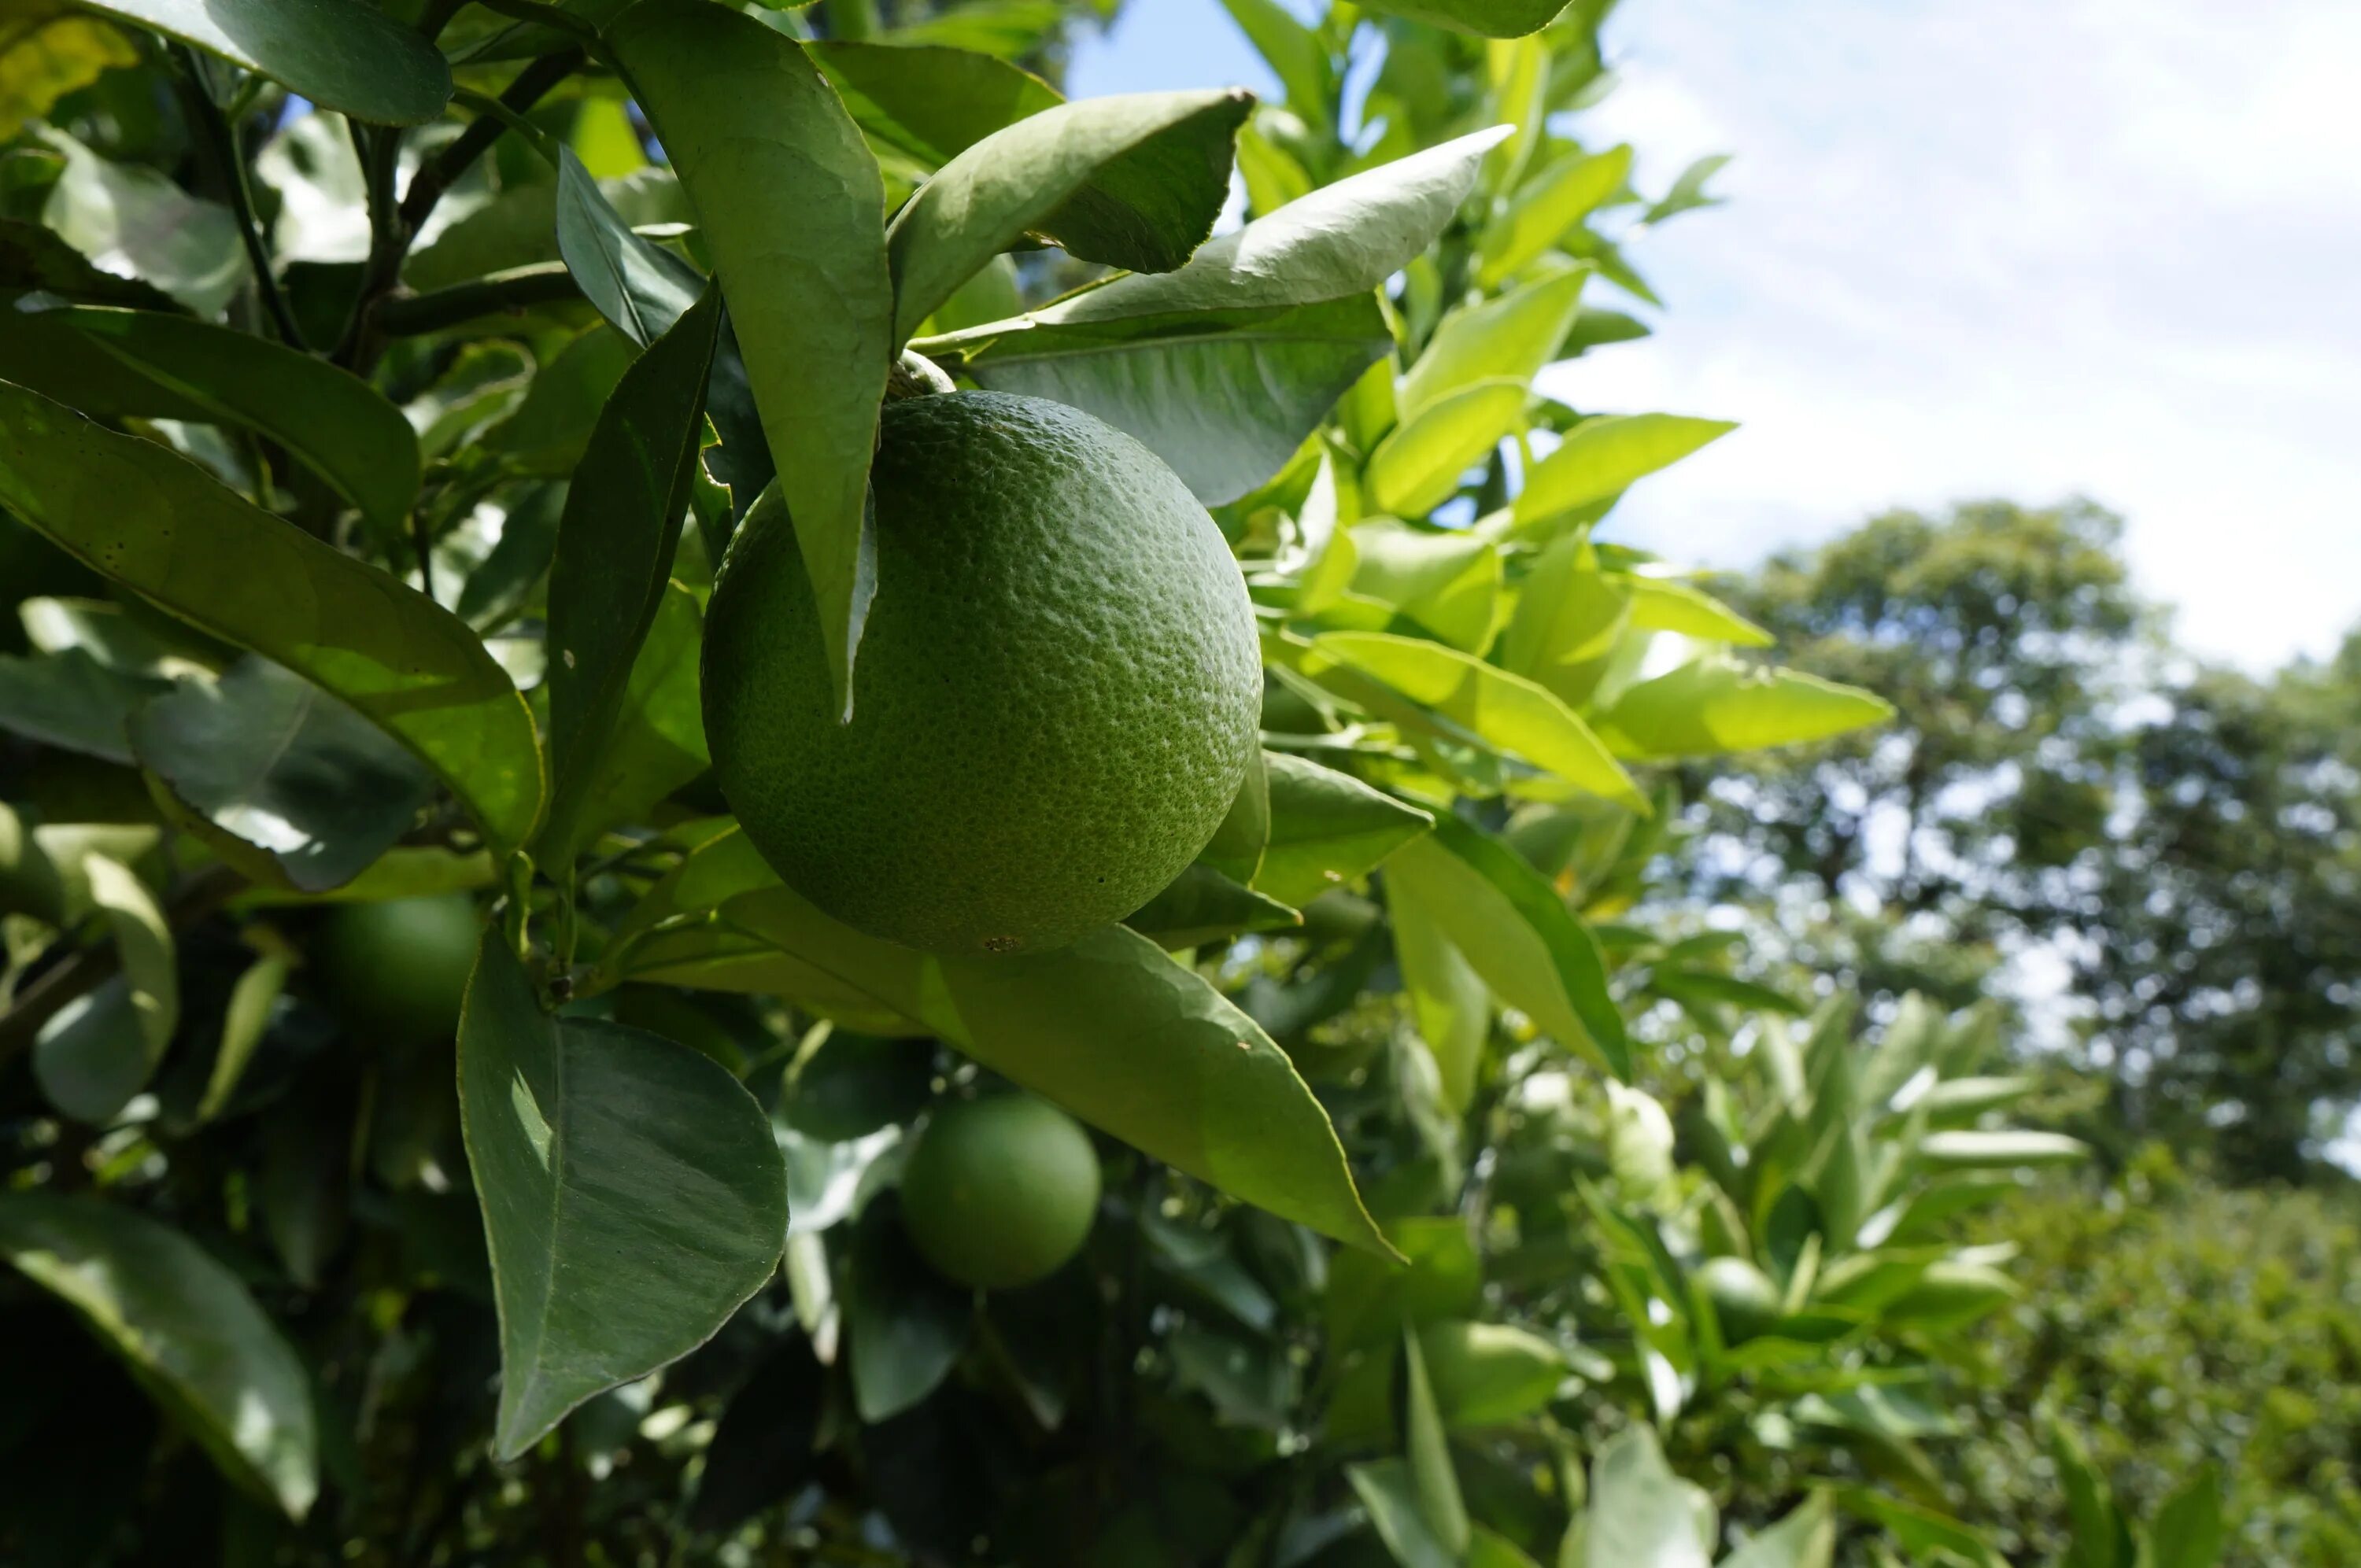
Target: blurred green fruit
x=1000 y=1193
x=396 y=972
x=1745 y=1303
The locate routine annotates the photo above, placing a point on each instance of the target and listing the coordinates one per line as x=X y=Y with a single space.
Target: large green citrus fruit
x=1000 y=1193
x=397 y=972
x=1055 y=697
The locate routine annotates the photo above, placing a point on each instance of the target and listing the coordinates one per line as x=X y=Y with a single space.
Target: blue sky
x=2027 y=247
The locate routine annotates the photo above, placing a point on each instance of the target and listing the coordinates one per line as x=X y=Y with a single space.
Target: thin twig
x=219 y=139
x=393 y=227
x=518 y=289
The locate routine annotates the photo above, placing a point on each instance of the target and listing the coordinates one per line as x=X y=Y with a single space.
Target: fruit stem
x=916 y=375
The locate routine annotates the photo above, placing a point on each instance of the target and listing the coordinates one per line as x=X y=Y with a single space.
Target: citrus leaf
x=1507 y=711
x=329 y=420
x=1134 y=181
x=639 y=286
x=1711 y=707
x=1293 y=52
x=1511 y=337
x=341 y=54
x=791 y=205
x=1641 y=1513
x=99 y=1051
x=158 y=524
x=1202 y=905
x=1805 y=1538
x=1448 y=998
x=1971 y=1150
x=1236 y=847
x=1417 y=468
x=905 y=1322
x=251 y=1001
x=1326 y=829
x=271 y=760
x=1389 y=1492
x=1225 y=397
x=657 y=743
x=633 y=1197
x=928 y=100
x=1515 y=930
x=1110 y=1028
x=1487 y=1374
x=1485 y=18
x=1344 y=238
x=70 y=701
x=132 y=216
x=1432 y=1480
x=1600 y=457
x=2188 y=1532
x=1538 y=216
x=35 y=259
x=1659 y=604
x=187 y=1330
x=615 y=541
x=1449 y=582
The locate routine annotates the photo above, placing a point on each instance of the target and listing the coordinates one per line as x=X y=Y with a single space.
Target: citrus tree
x=749 y=816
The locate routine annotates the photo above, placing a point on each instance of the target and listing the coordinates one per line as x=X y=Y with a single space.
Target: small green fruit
x=1000 y=1193
x=396 y=972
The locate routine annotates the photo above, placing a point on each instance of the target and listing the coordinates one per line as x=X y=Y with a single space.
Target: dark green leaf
x=1341 y=239
x=1326 y=829
x=1111 y=1029
x=1432 y=1480
x=1202 y=905
x=1485 y=19
x=632 y=1195
x=344 y=55
x=615 y=542
x=658 y=741
x=271 y=759
x=158 y=524
x=790 y=203
x=929 y=101
x=550 y=431
x=35 y=259
x=1134 y=181
x=185 y=1327
x=637 y=284
x=1294 y=54
x=1389 y=1492
x=327 y=419
x=102 y=1049
x=906 y=1323
x=69 y=699
x=2188 y=1532
x=1224 y=397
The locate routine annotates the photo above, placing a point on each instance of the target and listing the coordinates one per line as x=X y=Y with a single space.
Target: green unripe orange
x=1055 y=696
x=397 y=972
x=1000 y=1193
x=1745 y=1303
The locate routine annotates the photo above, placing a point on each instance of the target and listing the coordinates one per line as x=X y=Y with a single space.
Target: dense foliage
x=431 y=1132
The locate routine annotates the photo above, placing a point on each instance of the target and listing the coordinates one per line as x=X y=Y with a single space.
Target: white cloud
x=2017 y=249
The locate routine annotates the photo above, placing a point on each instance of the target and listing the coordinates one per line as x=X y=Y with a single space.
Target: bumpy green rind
x=1055 y=699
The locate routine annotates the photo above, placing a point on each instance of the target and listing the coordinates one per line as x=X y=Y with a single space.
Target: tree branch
x=393 y=227
x=501 y=293
x=219 y=139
